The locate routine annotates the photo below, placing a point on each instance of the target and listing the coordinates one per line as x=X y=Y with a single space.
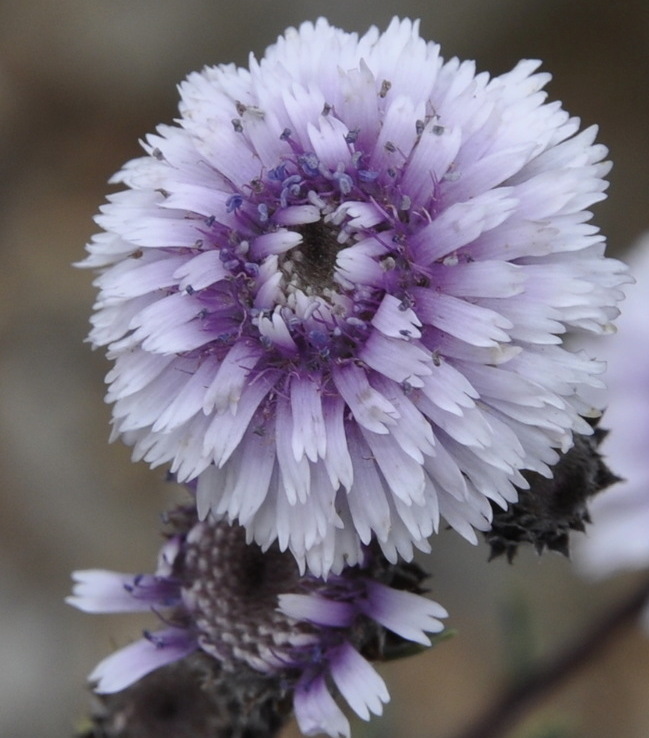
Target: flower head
x=263 y=621
x=618 y=538
x=335 y=291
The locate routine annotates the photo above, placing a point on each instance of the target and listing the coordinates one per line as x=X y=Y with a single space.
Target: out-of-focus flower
x=335 y=292
x=619 y=536
x=257 y=615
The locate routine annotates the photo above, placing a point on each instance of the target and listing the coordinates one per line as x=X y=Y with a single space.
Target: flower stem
x=508 y=709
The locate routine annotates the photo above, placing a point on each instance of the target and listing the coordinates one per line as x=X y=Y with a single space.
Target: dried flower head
x=545 y=513
x=273 y=631
x=335 y=291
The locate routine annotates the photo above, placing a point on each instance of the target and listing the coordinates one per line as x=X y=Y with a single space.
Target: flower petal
x=131 y=663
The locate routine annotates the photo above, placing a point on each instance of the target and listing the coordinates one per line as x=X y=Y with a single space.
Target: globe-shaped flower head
x=334 y=292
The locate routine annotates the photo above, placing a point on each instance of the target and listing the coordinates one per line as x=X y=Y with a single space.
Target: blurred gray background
x=80 y=82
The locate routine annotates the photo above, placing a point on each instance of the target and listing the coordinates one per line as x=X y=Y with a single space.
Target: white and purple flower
x=256 y=615
x=335 y=291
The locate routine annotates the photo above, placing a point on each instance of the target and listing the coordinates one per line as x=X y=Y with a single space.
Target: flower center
x=310 y=266
x=231 y=589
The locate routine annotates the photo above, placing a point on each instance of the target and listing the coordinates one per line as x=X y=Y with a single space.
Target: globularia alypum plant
x=335 y=294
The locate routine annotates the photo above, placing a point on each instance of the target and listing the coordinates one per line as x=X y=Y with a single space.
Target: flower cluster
x=256 y=615
x=335 y=291
x=618 y=539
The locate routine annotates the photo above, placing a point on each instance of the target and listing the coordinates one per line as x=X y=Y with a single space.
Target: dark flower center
x=312 y=263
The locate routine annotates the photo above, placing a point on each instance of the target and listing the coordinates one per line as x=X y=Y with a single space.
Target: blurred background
x=80 y=82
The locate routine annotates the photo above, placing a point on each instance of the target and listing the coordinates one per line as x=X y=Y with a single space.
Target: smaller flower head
x=619 y=537
x=257 y=616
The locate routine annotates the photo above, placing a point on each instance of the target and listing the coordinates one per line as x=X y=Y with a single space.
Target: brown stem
x=508 y=709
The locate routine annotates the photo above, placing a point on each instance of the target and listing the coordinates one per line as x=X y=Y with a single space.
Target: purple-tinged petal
x=394 y=319
x=319 y=610
x=357 y=681
x=328 y=140
x=189 y=401
x=226 y=430
x=309 y=437
x=120 y=283
x=201 y=271
x=316 y=711
x=368 y=507
x=275 y=331
x=101 y=591
x=297 y=215
x=407 y=614
x=464 y=320
x=431 y=159
x=370 y=409
x=276 y=242
x=403 y=474
x=247 y=483
x=338 y=461
x=296 y=473
x=224 y=392
x=397 y=359
x=462 y=223
x=131 y=663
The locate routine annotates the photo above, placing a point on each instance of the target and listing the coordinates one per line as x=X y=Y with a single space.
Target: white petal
x=309 y=435
x=225 y=390
x=369 y=407
x=101 y=591
x=296 y=473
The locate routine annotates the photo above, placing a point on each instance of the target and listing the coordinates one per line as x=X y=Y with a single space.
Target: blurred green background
x=80 y=82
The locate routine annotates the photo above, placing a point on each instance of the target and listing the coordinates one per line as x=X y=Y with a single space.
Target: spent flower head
x=546 y=513
x=335 y=291
x=271 y=629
